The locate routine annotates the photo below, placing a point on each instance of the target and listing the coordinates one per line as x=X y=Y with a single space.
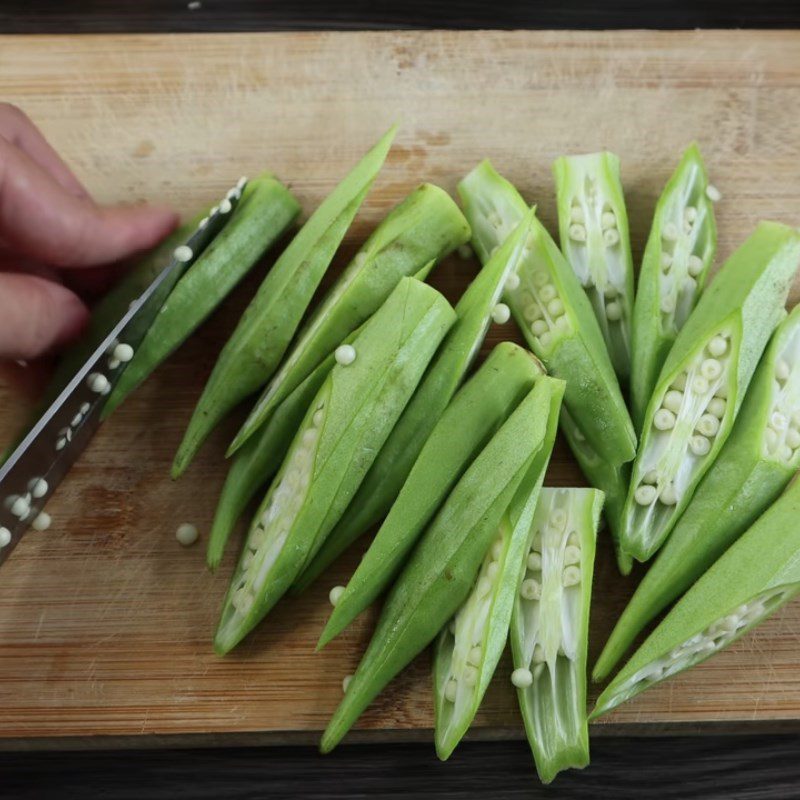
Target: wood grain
x=105 y=621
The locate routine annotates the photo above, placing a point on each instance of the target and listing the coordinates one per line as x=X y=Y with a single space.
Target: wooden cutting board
x=105 y=621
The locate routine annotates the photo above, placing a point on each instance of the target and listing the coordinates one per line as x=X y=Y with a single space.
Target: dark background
x=748 y=765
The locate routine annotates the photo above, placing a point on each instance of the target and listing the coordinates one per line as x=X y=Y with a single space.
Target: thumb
x=36 y=316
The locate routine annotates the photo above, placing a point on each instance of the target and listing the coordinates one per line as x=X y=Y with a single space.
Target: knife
x=33 y=471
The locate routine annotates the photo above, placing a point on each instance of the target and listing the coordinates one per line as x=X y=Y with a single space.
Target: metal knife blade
x=31 y=474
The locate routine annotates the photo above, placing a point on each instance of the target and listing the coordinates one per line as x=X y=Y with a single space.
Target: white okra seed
x=668 y=303
x=534 y=561
x=532 y=312
x=572 y=555
x=203 y=222
x=113 y=363
x=484 y=586
x=97 y=382
x=668 y=495
x=713 y=194
x=673 y=400
x=346 y=683
x=645 y=494
x=451 y=690
x=471 y=676
x=577 y=232
x=576 y=214
x=699 y=445
x=571 y=576
x=531 y=589
x=786 y=453
x=539 y=327
x=793 y=438
x=84 y=409
x=345 y=354
x=38 y=487
x=318 y=418
x=694 y=265
x=225 y=206
x=335 y=594
x=670 y=232
x=664 y=420
x=611 y=237
x=614 y=311
x=555 y=308
x=608 y=219
x=186 y=534
x=651 y=476
x=183 y=253
x=545 y=339
x=558 y=519
x=123 y=352
x=492 y=570
x=708 y=425
x=548 y=293
x=61 y=443
x=562 y=323
x=522 y=678
x=540 y=278
x=782 y=370
x=5 y=537
x=474 y=655
x=21 y=507
x=501 y=313
x=689 y=214
x=689 y=285
x=699 y=384
x=711 y=369
x=512 y=282
x=666 y=261
x=679 y=382
x=716 y=406
x=538 y=654
x=497 y=549
x=718 y=346
x=778 y=421
x=573 y=539
x=41 y=521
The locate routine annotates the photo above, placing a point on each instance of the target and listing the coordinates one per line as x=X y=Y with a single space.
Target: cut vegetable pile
x=373 y=415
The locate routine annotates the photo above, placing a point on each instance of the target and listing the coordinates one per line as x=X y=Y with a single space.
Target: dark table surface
x=750 y=765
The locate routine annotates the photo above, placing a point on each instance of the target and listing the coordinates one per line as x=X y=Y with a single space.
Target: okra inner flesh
x=689 y=417
x=782 y=436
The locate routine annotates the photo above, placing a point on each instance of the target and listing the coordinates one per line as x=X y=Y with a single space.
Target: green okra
x=442 y=570
x=703 y=382
x=479 y=408
x=255 y=348
x=550 y=628
x=593 y=228
x=475 y=310
x=757 y=575
x=425 y=227
x=755 y=464
x=266 y=209
x=553 y=312
x=344 y=427
x=679 y=251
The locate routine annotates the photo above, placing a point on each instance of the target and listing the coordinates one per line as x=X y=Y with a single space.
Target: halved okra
x=255 y=348
x=472 y=418
x=757 y=575
x=593 y=228
x=442 y=570
x=550 y=628
x=703 y=382
x=266 y=209
x=756 y=462
x=679 y=251
x=425 y=227
x=345 y=426
x=476 y=309
x=553 y=312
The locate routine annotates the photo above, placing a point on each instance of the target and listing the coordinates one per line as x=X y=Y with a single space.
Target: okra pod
x=474 y=313
x=757 y=575
x=425 y=227
x=754 y=465
x=265 y=210
x=441 y=571
x=471 y=419
x=679 y=251
x=553 y=312
x=262 y=336
x=550 y=628
x=703 y=382
x=593 y=228
x=345 y=426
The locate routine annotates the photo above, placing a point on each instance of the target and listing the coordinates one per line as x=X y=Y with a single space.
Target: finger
x=37 y=316
x=40 y=219
x=17 y=128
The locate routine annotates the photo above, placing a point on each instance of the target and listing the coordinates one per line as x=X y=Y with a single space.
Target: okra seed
x=708 y=425
x=318 y=418
x=571 y=576
x=5 y=537
x=113 y=363
x=548 y=293
x=668 y=303
x=645 y=494
x=668 y=495
x=689 y=285
x=572 y=555
x=611 y=237
x=492 y=570
x=670 y=232
x=471 y=676
x=545 y=339
x=512 y=282
x=450 y=691
x=562 y=323
x=534 y=561
x=536 y=544
x=718 y=346
x=664 y=419
x=484 y=586
x=84 y=409
x=531 y=589
x=66 y=433
x=248 y=559
x=123 y=353
x=537 y=671
x=539 y=327
x=214 y=211
x=97 y=382
x=335 y=594
x=695 y=265
x=699 y=384
x=183 y=253
x=474 y=656
x=716 y=406
x=345 y=354
x=577 y=232
x=721 y=391
x=555 y=308
x=793 y=438
x=309 y=436
x=673 y=400
x=699 y=445
x=540 y=278
x=614 y=311
x=558 y=519
x=61 y=443
x=786 y=453
x=360 y=259
x=38 y=487
x=782 y=370
x=538 y=654
x=576 y=214
x=497 y=549
x=666 y=261
x=532 y=312
x=186 y=534
x=689 y=214
x=501 y=313
x=522 y=678
x=241 y=182
x=346 y=683
x=713 y=194
x=203 y=222
x=651 y=476
x=573 y=539
x=679 y=382
x=778 y=421
x=42 y=521
x=20 y=507
x=711 y=369
x=609 y=219
x=465 y=252
x=225 y=206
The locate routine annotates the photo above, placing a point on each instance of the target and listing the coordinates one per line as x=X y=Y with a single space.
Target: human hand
x=56 y=243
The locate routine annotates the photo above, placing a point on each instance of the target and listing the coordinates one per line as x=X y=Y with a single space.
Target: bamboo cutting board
x=105 y=621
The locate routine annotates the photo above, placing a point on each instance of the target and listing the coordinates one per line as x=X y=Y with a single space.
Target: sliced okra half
x=553 y=312
x=550 y=628
x=264 y=212
x=757 y=575
x=479 y=408
x=593 y=228
x=478 y=308
x=703 y=382
x=444 y=565
x=678 y=254
x=425 y=227
x=349 y=419
x=254 y=350
x=755 y=464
